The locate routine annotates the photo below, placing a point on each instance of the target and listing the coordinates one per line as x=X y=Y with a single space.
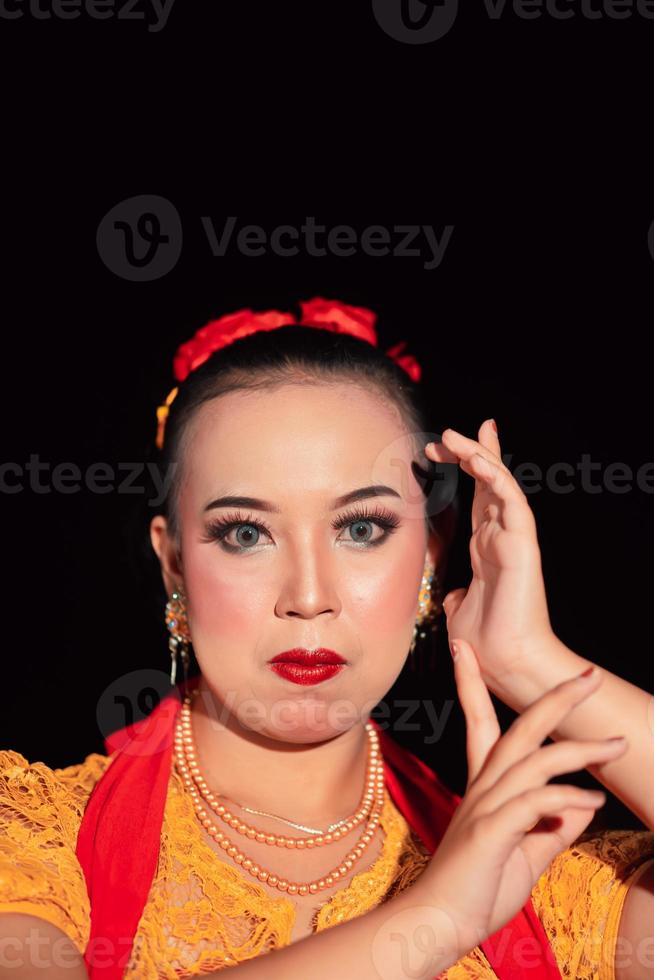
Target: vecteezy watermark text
x=154 y=12
x=311 y=238
x=133 y=696
x=564 y=477
x=43 y=478
x=560 y=477
x=140 y=239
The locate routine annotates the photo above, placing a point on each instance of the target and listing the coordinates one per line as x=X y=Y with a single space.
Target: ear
x=168 y=553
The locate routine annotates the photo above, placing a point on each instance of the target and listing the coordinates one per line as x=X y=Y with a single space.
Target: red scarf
x=118 y=843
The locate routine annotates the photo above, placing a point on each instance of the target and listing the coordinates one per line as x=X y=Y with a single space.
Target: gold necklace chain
x=365 y=803
x=297 y=826
x=186 y=761
x=348 y=823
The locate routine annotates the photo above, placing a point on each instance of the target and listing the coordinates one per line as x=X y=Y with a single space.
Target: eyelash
x=218 y=529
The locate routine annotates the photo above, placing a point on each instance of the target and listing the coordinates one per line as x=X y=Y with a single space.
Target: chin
x=308 y=720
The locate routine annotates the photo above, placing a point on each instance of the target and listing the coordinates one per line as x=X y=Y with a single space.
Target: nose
x=309 y=589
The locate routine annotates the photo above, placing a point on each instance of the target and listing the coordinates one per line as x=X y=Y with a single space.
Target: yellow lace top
x=203 y=914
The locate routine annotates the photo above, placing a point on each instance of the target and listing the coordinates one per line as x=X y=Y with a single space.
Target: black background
x=531 y=137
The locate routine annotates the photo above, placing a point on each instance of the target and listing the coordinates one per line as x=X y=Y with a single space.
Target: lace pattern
x=207 y=914
x=580 y=897
x=40 y=813
x=203 y=914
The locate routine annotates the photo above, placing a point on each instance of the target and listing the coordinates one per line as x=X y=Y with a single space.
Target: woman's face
x=288 y=578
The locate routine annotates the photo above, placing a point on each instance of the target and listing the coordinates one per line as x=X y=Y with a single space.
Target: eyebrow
x=255 y=503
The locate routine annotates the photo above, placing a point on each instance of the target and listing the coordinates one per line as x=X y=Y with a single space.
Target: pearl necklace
x=370 y=810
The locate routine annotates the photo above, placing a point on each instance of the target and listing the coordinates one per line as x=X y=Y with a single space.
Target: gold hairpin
x=162 y=415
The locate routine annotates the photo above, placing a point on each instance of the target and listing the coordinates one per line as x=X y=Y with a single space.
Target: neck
x=313 y=784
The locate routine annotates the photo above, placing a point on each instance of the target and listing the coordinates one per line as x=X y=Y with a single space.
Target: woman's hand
x=503 y=613
x=510 y=824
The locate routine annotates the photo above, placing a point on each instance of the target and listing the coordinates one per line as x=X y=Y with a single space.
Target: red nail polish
x=587 y=672
x=494 y=426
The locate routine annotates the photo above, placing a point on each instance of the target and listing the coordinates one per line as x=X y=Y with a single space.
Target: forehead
x=303 y=438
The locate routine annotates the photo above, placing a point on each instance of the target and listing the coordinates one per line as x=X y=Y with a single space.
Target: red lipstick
x=302 y=666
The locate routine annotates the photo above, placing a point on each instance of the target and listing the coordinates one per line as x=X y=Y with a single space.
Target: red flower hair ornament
x=326 y=314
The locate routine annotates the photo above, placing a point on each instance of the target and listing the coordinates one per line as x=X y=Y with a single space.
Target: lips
x=308 y=658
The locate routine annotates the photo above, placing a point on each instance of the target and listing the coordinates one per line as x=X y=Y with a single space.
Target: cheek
x=223 y=602
x=389 y=598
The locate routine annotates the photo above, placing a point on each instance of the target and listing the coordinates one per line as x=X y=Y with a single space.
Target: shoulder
x=579 y=898
x=85 y=773
x=41 y=809
x=35 y=789
x=635 y=949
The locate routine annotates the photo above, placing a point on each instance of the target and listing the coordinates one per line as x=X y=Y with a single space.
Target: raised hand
x=503 y=613
x=510 y=823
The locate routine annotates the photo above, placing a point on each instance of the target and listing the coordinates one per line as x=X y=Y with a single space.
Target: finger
x=482 y=726
x=507 y=501
x=453 y=600
x=496 y=479
x=536 y=723
x=538 y=767
x=464 y=447
x=446 y=453
x=553 y=834
x=488 y=438
x=440 y=453
x=539 y=812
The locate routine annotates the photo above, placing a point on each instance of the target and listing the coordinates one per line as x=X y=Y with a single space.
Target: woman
x=178 y=852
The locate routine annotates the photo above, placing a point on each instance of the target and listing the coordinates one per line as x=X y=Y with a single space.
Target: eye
x=357 y=520
x=247 y=531
x=247 y=534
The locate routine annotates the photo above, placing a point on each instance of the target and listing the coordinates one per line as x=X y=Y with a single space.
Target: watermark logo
x=424 y=21
x=132 y=698
x=427 y=488
x=415 y=943
x=415 y=21
x=140 y=239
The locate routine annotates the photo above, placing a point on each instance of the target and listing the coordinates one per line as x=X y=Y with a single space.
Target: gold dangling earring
x=180 y=636
x=429 y=607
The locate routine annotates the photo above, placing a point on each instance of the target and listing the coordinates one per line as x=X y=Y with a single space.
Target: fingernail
x=494 y=426
x=616 y=738
x=586 y=673
x=454 y=650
